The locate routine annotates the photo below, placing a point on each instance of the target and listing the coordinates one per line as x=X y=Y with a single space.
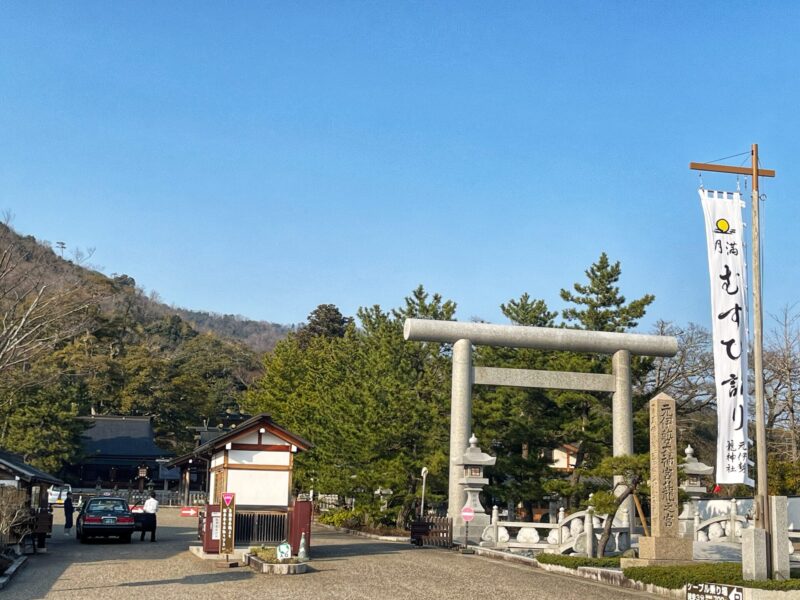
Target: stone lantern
x=473 y=461
x=694 y=471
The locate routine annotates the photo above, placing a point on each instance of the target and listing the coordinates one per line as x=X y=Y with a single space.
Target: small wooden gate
x=433 y=531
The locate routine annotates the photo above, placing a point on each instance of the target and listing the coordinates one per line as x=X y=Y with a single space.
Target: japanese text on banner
x=723 y=219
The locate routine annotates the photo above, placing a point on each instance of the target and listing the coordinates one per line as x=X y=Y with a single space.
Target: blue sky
x=263 y=158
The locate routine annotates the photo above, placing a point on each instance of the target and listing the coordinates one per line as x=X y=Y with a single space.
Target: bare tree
x=41 y=302
x=782 y=382
x=689 y=375
x=14 y=513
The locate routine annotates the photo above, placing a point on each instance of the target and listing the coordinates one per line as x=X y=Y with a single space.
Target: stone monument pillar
x=664 y=546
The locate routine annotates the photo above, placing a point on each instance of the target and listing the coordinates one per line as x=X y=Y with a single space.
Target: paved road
x=344 y=568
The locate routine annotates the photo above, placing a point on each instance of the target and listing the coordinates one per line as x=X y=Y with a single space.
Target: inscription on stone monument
x=664 y=546
x=663 y=467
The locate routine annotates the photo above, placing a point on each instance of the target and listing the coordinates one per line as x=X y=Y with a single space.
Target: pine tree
x=517 y=423
x=599 y=306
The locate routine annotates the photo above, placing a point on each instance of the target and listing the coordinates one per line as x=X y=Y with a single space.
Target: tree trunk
x=606 y=535
x=407 y=509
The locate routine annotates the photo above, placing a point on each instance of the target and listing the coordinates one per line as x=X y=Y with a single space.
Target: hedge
x=676 y=577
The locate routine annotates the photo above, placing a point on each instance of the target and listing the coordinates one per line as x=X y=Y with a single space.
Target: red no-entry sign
x=467 y=513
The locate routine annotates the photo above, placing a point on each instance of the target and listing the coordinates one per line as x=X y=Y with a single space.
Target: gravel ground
x=343 y=568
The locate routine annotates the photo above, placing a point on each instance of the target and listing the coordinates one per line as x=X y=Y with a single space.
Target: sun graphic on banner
x=723 y=226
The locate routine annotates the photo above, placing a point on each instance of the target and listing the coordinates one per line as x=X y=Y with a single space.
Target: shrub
x=676 y=577
x=269 y=554
x=573 y=562
x=341 y=517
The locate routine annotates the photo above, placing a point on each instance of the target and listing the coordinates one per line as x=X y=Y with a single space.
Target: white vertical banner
x=723 y=216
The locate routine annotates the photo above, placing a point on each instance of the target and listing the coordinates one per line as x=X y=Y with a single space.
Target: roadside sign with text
x=713 y=591
x=189 y=511
x=227 y=523
x=216 y=526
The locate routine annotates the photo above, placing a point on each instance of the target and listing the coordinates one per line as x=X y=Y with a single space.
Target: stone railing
x=578 y=532
x=722 y=528
x=728 y=528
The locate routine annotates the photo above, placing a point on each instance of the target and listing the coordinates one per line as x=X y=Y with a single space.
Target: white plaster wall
x=217 y=459
x=560 y=460
x=249 y=457
x=268 y=438
x=250 y=438
x=260 y=487
x=211 y=485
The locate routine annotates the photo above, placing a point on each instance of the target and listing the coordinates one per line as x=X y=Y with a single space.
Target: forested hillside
x=75 y=342
x=259 y=336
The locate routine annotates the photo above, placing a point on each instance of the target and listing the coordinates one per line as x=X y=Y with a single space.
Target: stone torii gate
x=463 y=335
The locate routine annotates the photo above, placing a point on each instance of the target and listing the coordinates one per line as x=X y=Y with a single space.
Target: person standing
x=69 y=509
x=149 y=523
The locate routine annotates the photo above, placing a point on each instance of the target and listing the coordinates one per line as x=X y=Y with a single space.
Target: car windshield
x=107 y=505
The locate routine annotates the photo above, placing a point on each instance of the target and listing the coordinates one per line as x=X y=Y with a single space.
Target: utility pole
x=762 y=516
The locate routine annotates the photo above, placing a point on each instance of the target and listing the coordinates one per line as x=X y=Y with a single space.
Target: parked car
x=56 y=494
x=105 y=517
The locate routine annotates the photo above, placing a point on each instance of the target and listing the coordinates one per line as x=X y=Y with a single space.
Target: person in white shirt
x=149 y=522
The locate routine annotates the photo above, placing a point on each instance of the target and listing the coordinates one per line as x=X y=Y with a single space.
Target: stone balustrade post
x=495 y=524
x=732 y=512
x=589 y=530
x=696 y=525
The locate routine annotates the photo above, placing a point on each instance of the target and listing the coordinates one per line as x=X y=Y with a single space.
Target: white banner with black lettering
x=723 y=213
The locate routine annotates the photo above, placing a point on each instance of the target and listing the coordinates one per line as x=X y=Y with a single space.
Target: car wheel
x=83 y=539
x=126 y=538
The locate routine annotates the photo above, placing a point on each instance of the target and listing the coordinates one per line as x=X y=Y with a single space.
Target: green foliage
x=374 y=405
x=269 y=554
x=676 y=577
x=600 y=306
x=515 y=424
x=130 y=356
x=43 y=430
x=324 y=321
x=783 y=477
x=342 y=517
x=573 y=562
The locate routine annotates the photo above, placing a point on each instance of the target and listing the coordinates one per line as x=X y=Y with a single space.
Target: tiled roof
x=15 y=464
x=120 y=436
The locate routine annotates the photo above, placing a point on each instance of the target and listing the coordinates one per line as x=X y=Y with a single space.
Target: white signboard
x=723 y=218
x=215 y=525
x=713 y=591
x=284 y=551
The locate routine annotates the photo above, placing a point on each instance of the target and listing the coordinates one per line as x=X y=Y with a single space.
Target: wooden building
x=16 y=473
x=114 y=450
x=254 y=461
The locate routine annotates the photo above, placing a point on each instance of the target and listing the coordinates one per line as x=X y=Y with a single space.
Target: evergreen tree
x=517 y=423
x=599 y=306
x=326 y=321
x=373 y=405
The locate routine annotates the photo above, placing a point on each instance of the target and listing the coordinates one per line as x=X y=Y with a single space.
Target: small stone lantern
x=473 y=461
x=694 y=471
